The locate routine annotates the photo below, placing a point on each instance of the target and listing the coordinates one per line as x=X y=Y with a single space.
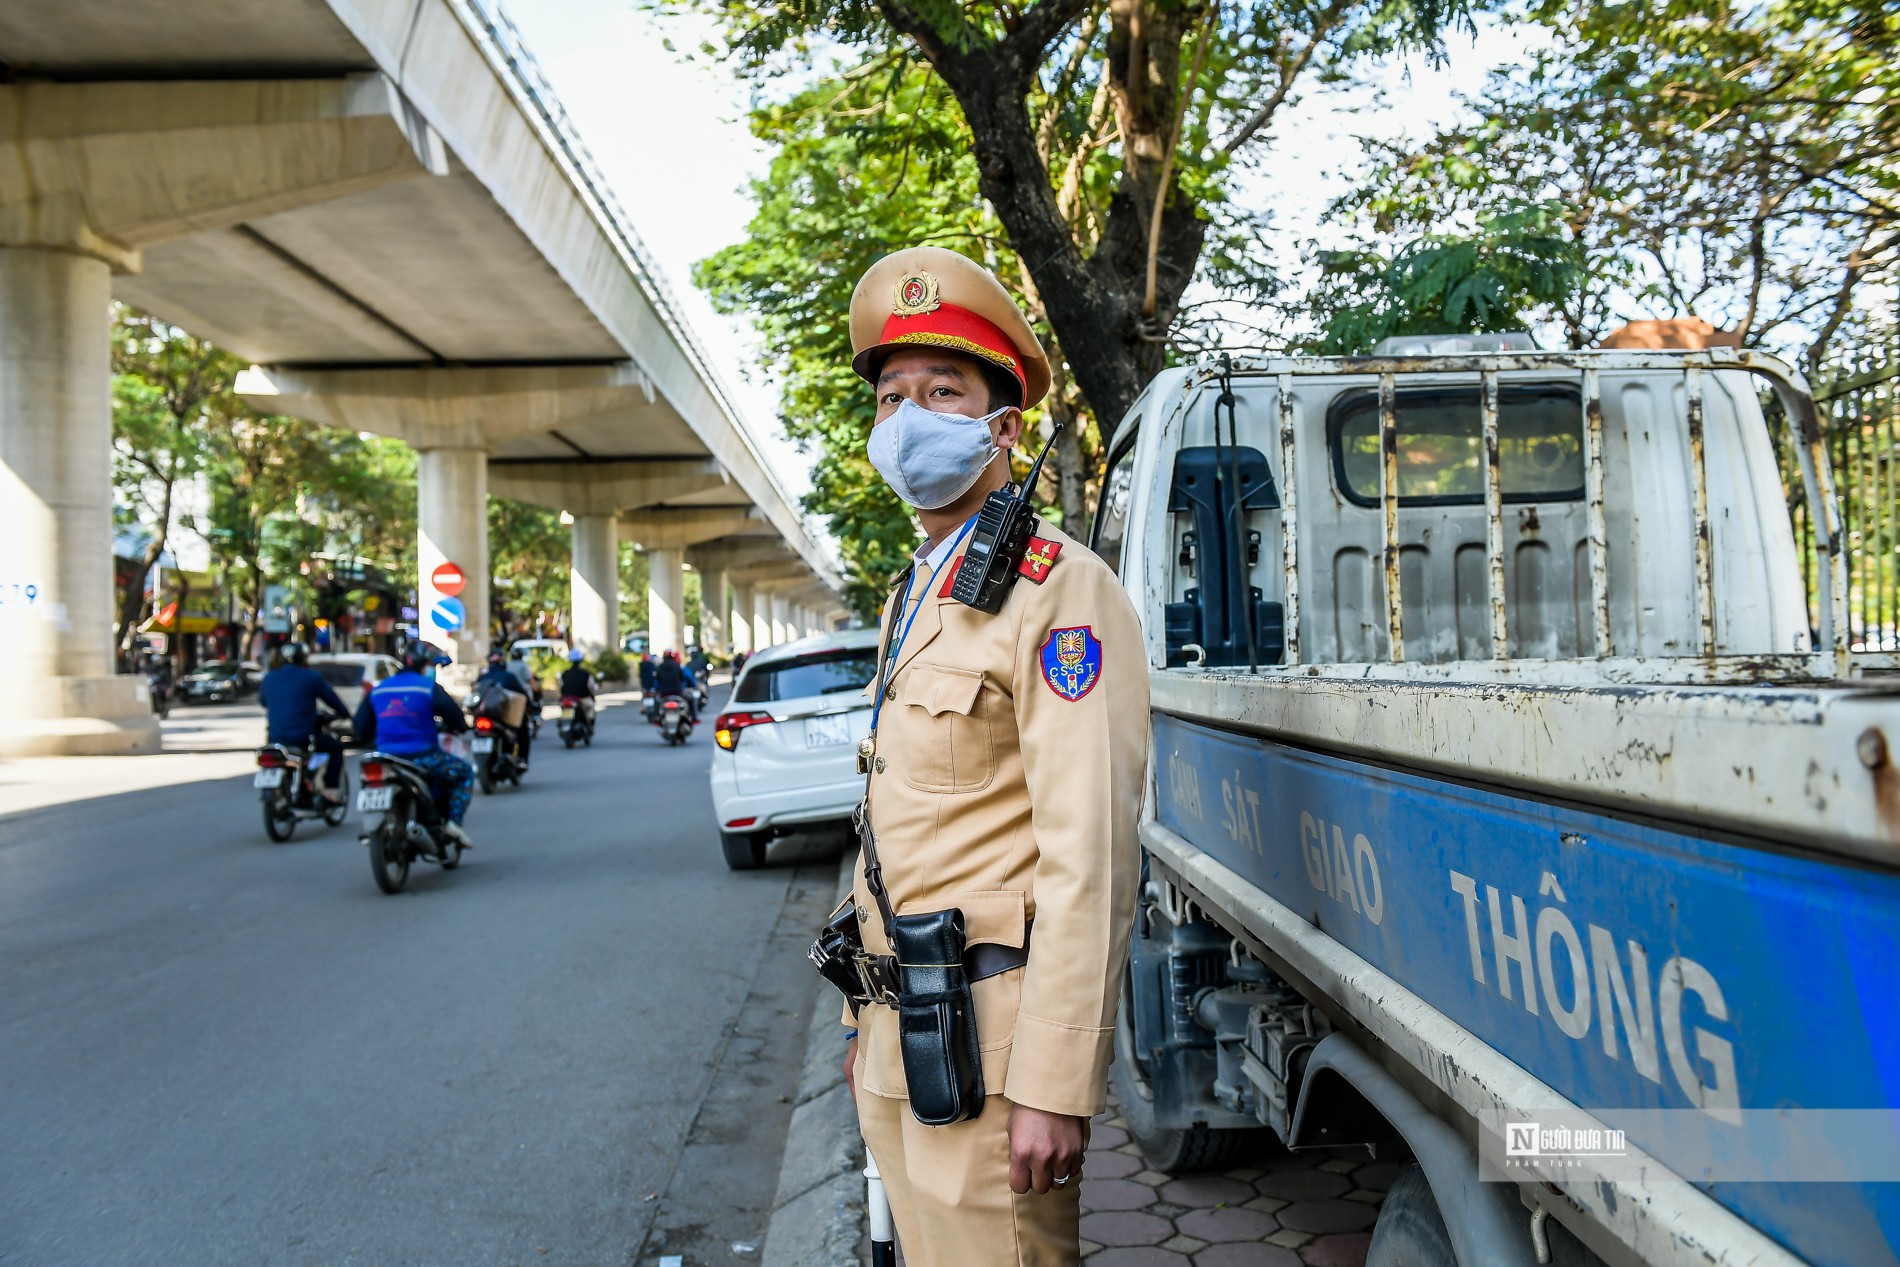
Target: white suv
x=786 y=746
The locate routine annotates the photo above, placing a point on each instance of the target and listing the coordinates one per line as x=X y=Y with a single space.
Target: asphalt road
x=578 y=1048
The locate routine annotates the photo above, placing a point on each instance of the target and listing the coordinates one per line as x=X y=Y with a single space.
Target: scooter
x=577 y=721
x=496 y=749
x=408 y=824
x=286 y=782
x=675 y=720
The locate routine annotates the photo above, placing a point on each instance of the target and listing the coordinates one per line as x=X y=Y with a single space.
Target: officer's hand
x=1044 y=1147
x=850 y=1064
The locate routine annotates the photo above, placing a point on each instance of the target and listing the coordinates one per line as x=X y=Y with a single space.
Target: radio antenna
x=1035 y=471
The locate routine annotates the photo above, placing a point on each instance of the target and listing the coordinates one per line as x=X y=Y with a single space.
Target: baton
x=878 y=1206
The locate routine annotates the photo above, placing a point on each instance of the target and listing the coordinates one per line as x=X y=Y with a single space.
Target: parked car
x=352 y=673
x=785 y=748
x=218 y=681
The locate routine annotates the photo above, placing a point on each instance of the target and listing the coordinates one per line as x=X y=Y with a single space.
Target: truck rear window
x=1441 y=449
x=821 y=673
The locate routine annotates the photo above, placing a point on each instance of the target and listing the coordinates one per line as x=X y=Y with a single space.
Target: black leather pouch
x=936 y=1018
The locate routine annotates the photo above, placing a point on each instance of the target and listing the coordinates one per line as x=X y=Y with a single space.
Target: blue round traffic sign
x=448 y=614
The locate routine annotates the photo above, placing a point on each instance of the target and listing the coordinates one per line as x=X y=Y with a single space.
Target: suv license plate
x=374 y=800
x=824 y=732
x=268 y=778
x=484 y=745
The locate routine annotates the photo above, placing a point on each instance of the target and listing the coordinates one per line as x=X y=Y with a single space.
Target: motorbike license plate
x=484 y=745
x=823 y=732
x=374 y=800
x=268 y=778
x=567 y=714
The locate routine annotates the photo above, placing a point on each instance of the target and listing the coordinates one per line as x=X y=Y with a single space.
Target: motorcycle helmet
x=420 y=657
x=294 y=653
x=495 y=659
x=576 y=656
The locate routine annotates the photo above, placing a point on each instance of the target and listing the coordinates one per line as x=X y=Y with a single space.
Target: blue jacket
x=399 y=716
x=290 y=696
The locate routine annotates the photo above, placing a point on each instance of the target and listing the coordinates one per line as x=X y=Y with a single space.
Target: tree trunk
x=1093 y=302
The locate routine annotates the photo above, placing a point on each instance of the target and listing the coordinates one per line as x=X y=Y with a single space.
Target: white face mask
x=931 y=459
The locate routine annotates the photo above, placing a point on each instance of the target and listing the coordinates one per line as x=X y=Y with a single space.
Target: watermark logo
x=1520 y=1139
x=1560 y=1147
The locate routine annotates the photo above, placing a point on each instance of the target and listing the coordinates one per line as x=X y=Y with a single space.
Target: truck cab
x=1511 y=769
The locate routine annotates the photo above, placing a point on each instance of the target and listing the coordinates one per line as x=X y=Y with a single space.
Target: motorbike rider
x=399 y=716
x=579 y=683
x=290 y=694
x=670 y=677
x=518 y=665
x=500 y=673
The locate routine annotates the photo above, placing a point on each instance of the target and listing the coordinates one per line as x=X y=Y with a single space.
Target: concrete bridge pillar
x=666 y=599
x=744 y=601
x=452 y=527
x=715 y=629
x=58 y=693
x=594 y=581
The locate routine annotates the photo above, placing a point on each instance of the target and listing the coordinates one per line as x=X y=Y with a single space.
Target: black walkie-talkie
x=998 y=542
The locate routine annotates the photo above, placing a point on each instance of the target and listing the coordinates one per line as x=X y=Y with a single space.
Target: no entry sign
x=448 y=578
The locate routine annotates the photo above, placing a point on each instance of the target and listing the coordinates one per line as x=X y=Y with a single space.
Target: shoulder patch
x=1038 y=559
x=1072 y=661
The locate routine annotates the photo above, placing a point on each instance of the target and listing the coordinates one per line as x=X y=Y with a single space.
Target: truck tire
x=1172 y=1152
x=1410 y=1231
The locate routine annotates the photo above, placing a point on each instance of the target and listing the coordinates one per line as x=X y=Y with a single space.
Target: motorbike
x=160 y=687
x=286 y=782
x=408 y=823
x=577 y=721
x=674 y=719
x=495 y=746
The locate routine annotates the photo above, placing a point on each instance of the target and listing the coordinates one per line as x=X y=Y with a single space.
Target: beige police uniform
x=1007 y=783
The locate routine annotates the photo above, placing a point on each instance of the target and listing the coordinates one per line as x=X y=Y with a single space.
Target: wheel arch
x=1346 y=1097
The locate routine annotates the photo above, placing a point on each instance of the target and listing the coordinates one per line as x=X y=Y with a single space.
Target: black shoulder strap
x=873 y=869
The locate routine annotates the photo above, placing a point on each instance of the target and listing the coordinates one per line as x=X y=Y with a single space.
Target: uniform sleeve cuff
x=1059 y=1068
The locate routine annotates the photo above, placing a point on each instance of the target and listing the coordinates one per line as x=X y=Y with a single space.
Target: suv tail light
x=374 y=775
x=726 y=729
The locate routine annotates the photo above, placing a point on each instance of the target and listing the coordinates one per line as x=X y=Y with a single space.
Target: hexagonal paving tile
x=1204 y=1190
x=1228 y=1223
x=1295 y=1212
x=1328 y=1216
x=1110 y=1228
x=1115 y=1194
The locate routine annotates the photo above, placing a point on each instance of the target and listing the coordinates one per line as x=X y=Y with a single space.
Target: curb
x=818 y=1212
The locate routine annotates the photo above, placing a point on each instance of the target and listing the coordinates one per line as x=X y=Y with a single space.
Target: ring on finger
x=1062 y=1179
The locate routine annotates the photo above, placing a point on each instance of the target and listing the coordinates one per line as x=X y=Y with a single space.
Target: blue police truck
x=1521 y=809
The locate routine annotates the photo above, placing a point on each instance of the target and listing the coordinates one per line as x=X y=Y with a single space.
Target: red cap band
x=958 y=329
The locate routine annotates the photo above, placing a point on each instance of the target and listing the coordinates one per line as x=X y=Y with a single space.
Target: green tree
x=1736 y=161
x=1081 y=148
x=1515 y=263
x=169 y=391
x=529 y=553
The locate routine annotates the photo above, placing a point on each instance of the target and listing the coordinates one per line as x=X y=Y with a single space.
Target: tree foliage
x=1516 y=262
x=1740 y=162
x=1083 y=148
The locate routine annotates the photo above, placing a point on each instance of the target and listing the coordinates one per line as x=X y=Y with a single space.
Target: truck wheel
x=1176 y=1152
x=745 y=850
x=1410 y=1231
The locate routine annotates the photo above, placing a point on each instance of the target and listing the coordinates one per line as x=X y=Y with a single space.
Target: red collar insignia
x=950 y=576
x=1038 y=559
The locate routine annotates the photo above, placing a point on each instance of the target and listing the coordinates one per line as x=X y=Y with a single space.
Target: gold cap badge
x=916 y=295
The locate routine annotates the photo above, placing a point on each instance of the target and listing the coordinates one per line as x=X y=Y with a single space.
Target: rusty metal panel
x=1389 y=501
x=1704 y=546
x=1289 y=518
x=1493 y=515
x=1598 y=528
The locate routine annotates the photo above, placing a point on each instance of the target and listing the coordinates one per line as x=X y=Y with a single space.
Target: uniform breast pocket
x=949 y=717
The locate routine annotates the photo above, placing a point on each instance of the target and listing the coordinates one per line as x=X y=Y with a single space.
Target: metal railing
x=1805 y=446
x=1859 y=413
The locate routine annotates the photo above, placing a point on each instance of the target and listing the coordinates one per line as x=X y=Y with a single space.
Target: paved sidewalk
x=1313 y=1208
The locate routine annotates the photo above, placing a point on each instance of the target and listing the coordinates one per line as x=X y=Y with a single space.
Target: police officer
x=1006 y=774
